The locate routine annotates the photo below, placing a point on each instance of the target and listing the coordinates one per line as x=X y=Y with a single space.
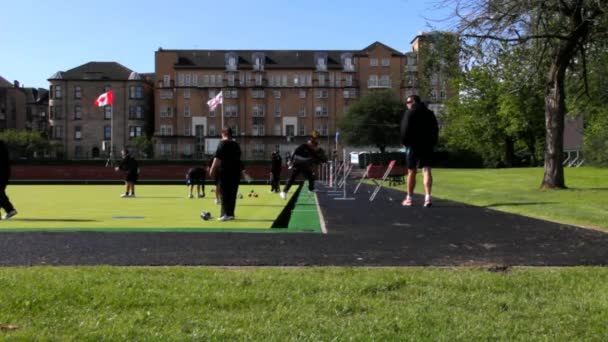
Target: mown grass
x=156 y=207
x=361 y=304
x=584 y=203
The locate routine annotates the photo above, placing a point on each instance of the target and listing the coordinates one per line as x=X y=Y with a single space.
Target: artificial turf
x=155 y=208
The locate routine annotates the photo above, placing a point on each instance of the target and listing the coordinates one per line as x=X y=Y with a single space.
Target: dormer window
x=231 y=61
x=321 y=64
x=347 y=61
x=258 y=61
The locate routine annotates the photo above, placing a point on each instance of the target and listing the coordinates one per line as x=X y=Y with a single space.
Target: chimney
x=16 y=84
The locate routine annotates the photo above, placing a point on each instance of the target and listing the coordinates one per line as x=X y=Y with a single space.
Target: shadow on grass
x=50 y=220
x=251 y=220
x=516 y=204
x=588 y=189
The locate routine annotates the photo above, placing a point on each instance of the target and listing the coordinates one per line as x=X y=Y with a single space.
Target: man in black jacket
x=5 y=175
x=419 y=134
x=228 y=166
x=275 y=170
x=131 y=168
x=303 y=160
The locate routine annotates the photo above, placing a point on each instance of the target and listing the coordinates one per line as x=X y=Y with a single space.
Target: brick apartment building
x=271 y=97
x=23 y=108
x=84 y=130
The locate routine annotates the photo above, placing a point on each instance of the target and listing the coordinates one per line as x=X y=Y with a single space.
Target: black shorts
x=418 y=158
x=132 y=177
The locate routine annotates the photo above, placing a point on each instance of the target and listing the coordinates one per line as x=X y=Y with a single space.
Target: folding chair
x=347 y=171
x=381 y=182
x=367 y=169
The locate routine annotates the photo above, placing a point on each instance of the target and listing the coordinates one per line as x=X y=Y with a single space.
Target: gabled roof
x=4 y=83
x=384 y=46
x=107 y=71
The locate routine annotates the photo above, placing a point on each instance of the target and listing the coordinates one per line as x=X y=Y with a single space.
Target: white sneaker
x=283 y=195
x=190 y=196
x=225 y=218
x=11 y=214
x=124 y=195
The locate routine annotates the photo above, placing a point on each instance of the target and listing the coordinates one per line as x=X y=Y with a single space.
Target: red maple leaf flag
x=105 y=99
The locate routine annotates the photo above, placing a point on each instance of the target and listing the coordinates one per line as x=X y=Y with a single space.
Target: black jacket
x=305 y=155
x=277 y=163
x=419 y=128
x=129 y=164
x=5 y=163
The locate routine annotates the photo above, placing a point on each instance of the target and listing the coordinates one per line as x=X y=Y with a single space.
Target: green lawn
x=311 y=304
x=584 y=203
x=156 y=207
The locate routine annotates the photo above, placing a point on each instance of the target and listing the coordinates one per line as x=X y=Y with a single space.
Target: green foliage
x=24 y=144
x=496 y=116
x=373 y=120
x=145 y=146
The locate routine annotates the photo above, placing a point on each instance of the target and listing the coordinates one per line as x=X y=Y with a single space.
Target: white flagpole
x=222 y=104
x=112 y=133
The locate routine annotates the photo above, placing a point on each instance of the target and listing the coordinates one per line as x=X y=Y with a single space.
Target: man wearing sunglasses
x=419 y=134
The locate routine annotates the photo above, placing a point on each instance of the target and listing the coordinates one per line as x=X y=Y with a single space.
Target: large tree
x=559 y=32
x=373 y=120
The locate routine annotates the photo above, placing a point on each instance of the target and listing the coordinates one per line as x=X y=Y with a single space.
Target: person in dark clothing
x=303 y=159
x=275 y=171
x=131 y=168
x=228 y=166
x=5 y=175
x=419 y=134
x=196 y=177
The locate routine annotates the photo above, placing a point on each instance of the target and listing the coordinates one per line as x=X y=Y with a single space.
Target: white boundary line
x=321 y=218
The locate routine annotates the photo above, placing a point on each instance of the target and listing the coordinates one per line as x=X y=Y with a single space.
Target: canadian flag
x=219 y=98
x=105 y=99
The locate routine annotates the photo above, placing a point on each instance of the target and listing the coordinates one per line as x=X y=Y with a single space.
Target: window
x=231 y=111
x=212 y=113
x=372 y=81
x=321 y=93
x=321 y=110
x=290 y=130
x=276 y=129
x=106 y=88
x=187 y=129
x=302 y=94
x=258 y=111
x=180 y=79
x=321 y=78
x=77 y=92
x=78 y=151
x=187 y=112
x=350 y=93
x=212 y=130
x=321 y=65
x=301 y=130
x=132 y=94
x=58 y=93
x=166 y=94
x=348 y=81
x=386 y=62
x=277 y=111
x=231 y=94
x=166 y=112
x=385 y=81
x=231 y=78
x=107 y=132
x=166 y=80
x=77 y=112
x=107 y=112
x=276 y=94
x=165 y=149
x=186 y=93
x=136 y=112
x=58 y=132
x=348 y=64
x=135 y=131
x=257 y=130
x=231 y=63
x=373 y=61
x=211 y=93
x=302 y=111
x=166 y=130
x=77 y=132
x=56 y=113
x=187 y=149
x=258 y=79
x=205 y=80
x=195 y=80
x=257 y=93
x=284 y=80
x=188 y=80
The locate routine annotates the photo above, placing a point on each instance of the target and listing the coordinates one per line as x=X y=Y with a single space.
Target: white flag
x=218 y=99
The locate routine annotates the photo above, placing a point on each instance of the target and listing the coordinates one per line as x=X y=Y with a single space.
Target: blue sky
x=40 y=37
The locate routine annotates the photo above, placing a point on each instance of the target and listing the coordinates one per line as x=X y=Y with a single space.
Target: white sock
x=427 y=197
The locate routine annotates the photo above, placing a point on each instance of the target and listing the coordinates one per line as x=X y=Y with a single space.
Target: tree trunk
x=555 y=108
x=509 y=152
